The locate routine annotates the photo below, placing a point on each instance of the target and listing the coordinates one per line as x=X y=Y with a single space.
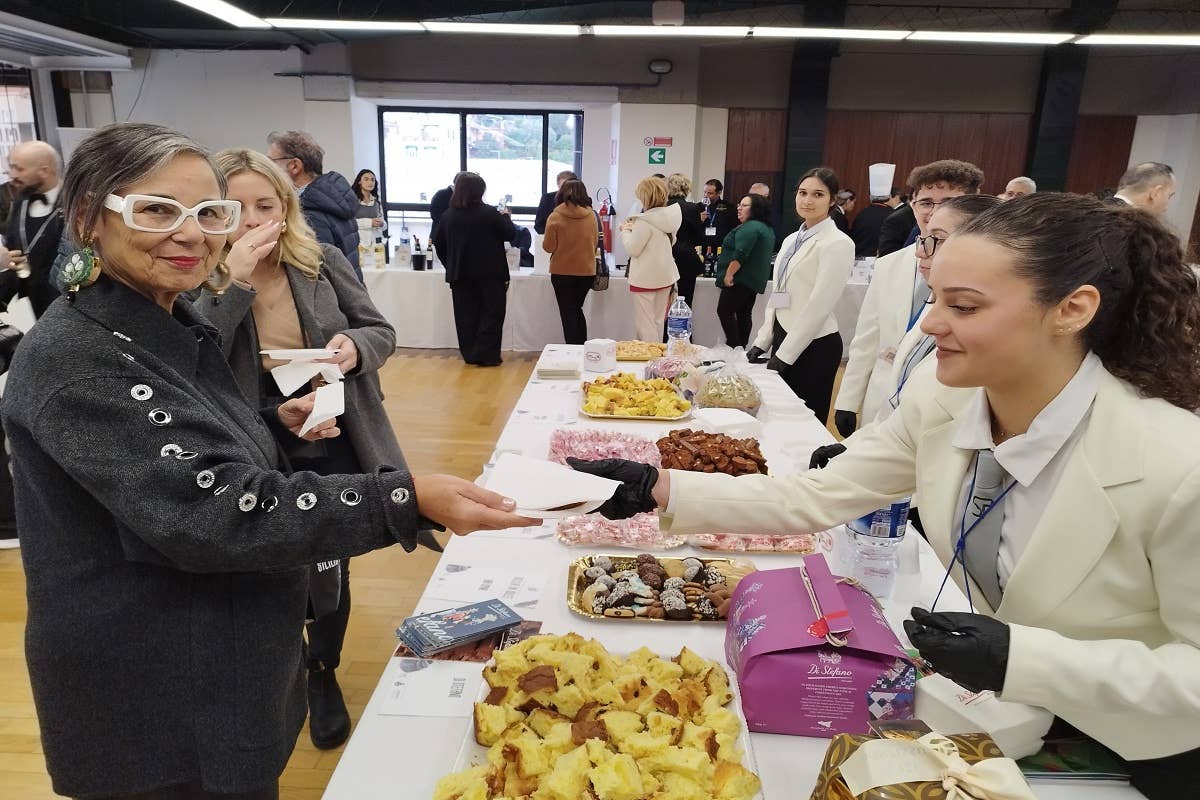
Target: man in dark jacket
x=867 y=225
x=897 y=229
x=328 y=202
x=547 y=203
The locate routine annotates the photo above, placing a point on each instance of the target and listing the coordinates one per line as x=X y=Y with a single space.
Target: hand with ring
x=253 y=245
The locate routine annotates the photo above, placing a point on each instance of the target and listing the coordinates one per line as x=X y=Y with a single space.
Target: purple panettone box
x=814 y=654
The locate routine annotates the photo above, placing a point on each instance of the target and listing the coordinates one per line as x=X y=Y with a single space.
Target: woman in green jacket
x=743 y=269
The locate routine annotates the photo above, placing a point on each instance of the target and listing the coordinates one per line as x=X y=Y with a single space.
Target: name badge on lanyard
x=711 y=230
x=779 y=300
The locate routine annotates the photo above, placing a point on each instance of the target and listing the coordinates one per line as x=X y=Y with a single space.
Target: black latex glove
x=845 y=421
x=776 y=364
x=637 y=482
x=756 y=355
x=823 y=455
x=969 y=649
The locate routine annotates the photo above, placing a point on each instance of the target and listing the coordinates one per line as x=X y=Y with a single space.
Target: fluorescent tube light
x=345 y=24
x=226 y=12
x=1152 y=39
x=826 y=33
x=502 y=28
x=981 y=37
x=735 y=31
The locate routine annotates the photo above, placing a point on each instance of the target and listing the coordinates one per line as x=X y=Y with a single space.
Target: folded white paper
x=729 y=421
x=461 y=584
x=547 y=490
x=947 y=707
x=418 y=688
x=291 y=376
x=330 y=402
x=306 y=354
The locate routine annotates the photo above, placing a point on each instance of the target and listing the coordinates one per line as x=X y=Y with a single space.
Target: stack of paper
x=301 y=367
x=553 y=366
x=429 y=634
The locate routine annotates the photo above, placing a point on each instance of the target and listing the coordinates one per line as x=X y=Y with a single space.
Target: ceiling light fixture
x=827 y=33
x=983 y=37
x=226 y=12
x=501 y=28
x=731 y=31
x=345 y=24
x=1153 y=39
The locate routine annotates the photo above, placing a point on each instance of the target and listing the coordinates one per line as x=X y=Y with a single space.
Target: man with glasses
x=328 y=202
x=895 y=297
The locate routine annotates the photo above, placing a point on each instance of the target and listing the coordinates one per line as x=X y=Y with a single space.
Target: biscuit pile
x=668 y=588
x=567 y=720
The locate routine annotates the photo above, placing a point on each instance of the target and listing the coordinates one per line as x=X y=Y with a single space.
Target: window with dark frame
x=518 y=153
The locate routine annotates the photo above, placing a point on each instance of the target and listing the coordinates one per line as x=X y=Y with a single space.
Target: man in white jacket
x=894 y=299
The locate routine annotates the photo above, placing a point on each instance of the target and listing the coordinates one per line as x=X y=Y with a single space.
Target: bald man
x=760 y=188
x=36 y=226
x=1018 y=187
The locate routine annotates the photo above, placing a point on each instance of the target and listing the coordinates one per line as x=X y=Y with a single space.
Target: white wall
x=1173 y=139
x=712 y=137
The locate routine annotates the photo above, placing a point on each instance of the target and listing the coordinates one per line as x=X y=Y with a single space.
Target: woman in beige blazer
x=648 y=238
x=1066 y=334
x=810 y=275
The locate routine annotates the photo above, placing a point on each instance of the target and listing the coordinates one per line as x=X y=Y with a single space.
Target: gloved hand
x=823 y=455
x=756 y=355
x=969 y=649
x=776 y=364
x=845 y=421
x=633 y=496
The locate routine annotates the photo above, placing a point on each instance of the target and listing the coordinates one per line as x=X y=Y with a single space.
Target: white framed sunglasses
x=152 y=214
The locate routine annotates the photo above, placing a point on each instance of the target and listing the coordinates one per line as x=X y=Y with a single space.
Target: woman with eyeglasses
x=1053 y=446
x=165 y=546
x=744 y=268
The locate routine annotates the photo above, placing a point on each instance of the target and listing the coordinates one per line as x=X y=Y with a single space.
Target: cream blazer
x=816 y=277
x=1103 y=604
x=885 y=312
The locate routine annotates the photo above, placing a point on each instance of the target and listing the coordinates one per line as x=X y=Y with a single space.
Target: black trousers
x=735 y=309
x=689 y=269
x=8 y=509
x=570 y=291
x=814 y=372
x=479 y=307
x=194 y=791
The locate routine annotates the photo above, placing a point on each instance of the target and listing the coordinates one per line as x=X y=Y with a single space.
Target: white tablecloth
x=396 y=756
x=418 y=305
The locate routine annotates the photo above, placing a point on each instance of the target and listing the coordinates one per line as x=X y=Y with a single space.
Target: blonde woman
x=291 y=292
x=648 y=238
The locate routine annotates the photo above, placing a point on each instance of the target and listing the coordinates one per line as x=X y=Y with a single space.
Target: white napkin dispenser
x=600 y=355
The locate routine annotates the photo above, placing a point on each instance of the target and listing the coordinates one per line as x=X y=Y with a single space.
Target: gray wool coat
x=165 y=552
x=336 y=302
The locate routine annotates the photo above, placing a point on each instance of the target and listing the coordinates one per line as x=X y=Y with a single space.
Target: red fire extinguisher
x=606 y=212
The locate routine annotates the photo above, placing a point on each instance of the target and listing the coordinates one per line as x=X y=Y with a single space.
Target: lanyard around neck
x=26 y=244
x=964 y=532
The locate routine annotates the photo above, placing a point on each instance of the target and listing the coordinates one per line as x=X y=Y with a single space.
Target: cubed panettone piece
x=527 y=752
x=621 y=724
x=700 y=738
x=568 y=779
x=541 y=720
x=734 y=782
x=680 y=787
x=454 y=787
x=692 y=664
x=617 y=779
x=691 y=764
x=665 y=725
x=490 y=722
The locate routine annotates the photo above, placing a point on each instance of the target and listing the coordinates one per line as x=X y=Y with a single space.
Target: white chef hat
x=880 y=177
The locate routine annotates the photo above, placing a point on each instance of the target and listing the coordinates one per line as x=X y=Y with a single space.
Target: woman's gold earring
x=283 y=226
x=82 y=269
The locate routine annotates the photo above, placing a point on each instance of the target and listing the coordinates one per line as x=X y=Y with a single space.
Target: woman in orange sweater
x=571 y=235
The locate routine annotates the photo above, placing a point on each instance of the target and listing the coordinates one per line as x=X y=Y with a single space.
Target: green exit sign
x=656 y=155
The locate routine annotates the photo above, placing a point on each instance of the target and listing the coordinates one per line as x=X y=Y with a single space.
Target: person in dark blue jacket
x=329 y=204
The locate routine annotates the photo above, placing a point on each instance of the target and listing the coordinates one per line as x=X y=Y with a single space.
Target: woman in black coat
x=688 y=238
x=470 y=241
x=165 y=548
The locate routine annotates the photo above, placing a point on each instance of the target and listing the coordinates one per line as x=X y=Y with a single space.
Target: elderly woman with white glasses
x=165 y=545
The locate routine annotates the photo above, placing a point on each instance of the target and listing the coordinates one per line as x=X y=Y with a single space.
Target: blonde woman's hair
x=298 y=246
x=679 y=185
x=651 y=192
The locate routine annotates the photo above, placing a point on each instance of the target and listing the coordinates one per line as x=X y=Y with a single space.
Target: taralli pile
x=679 y=589
x=697 y=451
x=567 y=720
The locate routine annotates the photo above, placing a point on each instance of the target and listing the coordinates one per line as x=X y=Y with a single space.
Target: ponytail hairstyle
x=1147 y=328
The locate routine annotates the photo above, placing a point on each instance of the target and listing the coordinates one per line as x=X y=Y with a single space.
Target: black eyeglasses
x=929 y=244
x=928 y=205
x=283 y=158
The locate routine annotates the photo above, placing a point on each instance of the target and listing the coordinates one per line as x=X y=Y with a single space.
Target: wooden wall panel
x=1099 y=152
x=754 y=150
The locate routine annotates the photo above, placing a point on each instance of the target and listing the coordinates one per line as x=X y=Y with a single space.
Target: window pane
x=16 y=118
x=421 y=154
x=506 y=149
x=563 y=147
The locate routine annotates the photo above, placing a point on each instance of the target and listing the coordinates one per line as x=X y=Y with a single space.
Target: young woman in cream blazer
x=810 y=275
x=1066 y=334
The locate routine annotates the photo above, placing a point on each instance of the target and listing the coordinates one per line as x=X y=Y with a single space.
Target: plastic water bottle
x=679 y=324
x=876 y=554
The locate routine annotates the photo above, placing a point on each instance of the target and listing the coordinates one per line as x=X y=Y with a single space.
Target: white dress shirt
x=38 y=209
x=1034 y=459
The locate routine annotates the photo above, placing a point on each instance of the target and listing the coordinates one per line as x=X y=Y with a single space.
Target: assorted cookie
x=687 y=589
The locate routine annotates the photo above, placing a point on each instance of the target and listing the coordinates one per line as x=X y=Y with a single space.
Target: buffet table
x=391 y=755
x=418 y=306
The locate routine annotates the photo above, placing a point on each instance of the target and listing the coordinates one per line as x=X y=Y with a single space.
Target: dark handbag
x=601 y=281
x=10 y=337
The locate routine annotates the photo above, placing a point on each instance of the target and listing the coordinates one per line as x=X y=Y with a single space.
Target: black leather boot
x=328 y=719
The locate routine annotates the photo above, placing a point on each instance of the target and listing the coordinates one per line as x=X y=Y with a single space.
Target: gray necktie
x=983 y=543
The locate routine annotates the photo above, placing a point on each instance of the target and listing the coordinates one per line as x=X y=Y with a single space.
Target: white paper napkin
x=547 y=490
x=330 y=402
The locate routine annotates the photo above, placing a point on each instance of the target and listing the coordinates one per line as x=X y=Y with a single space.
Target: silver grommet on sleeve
x=306 y=501
x=400 y=495
x=220 y=490
x=205 y=479
x=247 y=502
x=186 y=455
x=159 y=417
x=129 y=357
x=269 y=504
x=351 y=497
x=141 y=392
x=170 y=450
